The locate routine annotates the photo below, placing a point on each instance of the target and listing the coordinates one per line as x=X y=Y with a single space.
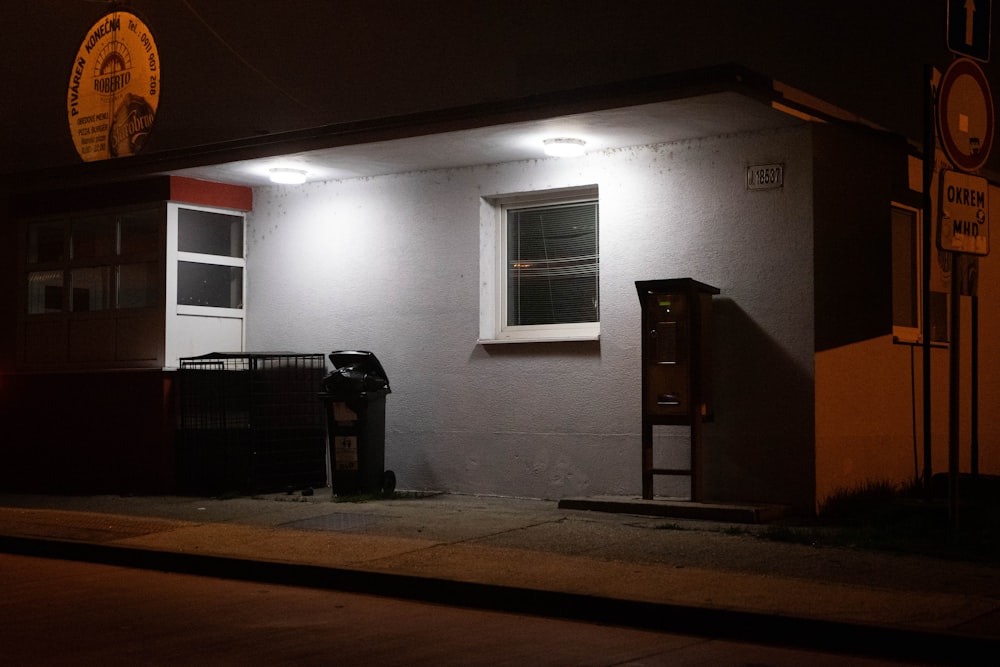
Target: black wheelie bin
x=353 y=395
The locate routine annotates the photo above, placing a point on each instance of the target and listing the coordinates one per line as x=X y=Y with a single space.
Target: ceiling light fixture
x=564 y=147
x=288 y=176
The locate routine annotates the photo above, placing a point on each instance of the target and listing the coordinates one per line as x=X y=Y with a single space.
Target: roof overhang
x=701 y=103
x=607 y=129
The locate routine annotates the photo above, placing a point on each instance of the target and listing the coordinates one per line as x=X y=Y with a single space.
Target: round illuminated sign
x=114 y=88
x=965 y=115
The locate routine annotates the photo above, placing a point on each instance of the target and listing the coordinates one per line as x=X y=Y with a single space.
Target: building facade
x=401 y=243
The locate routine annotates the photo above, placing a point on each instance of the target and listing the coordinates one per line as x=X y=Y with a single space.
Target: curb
x=726 y=624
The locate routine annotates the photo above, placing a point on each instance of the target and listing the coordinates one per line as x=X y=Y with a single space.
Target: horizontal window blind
x=552 y=264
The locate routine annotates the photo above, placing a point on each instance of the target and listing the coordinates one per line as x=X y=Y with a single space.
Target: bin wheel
x=388 y=482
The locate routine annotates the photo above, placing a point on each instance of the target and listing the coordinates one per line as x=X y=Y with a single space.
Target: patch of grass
x=792 y=535
x=671 y=526
x=367 y=497
x=885 y=517
x=860 y=504
x=778 y=533
x=389 y=495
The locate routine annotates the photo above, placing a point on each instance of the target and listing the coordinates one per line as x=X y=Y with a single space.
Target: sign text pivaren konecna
x=114 y=88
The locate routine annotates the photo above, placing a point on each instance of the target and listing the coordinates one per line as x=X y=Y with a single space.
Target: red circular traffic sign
x=965 y=115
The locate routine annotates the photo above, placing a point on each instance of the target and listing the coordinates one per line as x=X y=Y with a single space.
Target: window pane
x=91 y=288
x=93 y=237
x=209 y=285
x=904 y=268
x=137 y=285
x=140 y=232
x=45 y=242
x=209 y=233
x=552 y=265
x=45 y=292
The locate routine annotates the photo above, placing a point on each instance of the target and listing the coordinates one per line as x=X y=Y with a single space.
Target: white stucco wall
x=391 y=264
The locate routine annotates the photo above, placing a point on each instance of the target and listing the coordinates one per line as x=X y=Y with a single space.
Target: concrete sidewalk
x=708 y=578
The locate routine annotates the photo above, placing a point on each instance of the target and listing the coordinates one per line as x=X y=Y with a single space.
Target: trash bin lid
x=361 y=365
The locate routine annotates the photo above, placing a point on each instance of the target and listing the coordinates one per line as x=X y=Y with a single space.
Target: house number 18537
x=765 y=176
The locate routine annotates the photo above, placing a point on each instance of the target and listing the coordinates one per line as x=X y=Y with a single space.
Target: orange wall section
x=865 y=415
x=205 y=193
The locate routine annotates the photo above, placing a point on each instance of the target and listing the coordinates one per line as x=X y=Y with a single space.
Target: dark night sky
x=234 y=69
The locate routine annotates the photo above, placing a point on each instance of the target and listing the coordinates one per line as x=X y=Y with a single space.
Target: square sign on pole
x=969 y=28
x=965 y=213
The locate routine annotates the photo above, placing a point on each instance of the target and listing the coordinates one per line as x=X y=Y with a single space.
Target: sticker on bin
x=345 y=452
x=343 y=413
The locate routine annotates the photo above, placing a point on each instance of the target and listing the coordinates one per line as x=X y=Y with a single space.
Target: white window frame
x=174 y=257
x=900 y=333
x=492 y=269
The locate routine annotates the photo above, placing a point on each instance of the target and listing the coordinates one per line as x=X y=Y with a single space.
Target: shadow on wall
x=761 y=446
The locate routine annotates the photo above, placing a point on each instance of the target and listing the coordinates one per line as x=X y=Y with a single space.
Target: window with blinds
x=552 y=264
x=539 y=266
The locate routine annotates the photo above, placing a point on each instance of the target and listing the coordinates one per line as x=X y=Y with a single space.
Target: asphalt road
x=56 y=612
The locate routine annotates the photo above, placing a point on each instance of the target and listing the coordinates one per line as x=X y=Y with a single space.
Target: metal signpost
x=965 y=123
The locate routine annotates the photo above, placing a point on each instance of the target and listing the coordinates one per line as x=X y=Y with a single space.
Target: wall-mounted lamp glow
x=287 y=176
x=564 y=147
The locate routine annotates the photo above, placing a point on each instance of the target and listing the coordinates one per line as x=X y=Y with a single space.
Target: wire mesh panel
x=251 y=422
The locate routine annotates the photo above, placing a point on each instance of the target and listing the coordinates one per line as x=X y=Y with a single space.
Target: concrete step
x=679 y=509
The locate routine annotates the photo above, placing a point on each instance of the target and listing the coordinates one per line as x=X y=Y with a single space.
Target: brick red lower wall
x=87 y=433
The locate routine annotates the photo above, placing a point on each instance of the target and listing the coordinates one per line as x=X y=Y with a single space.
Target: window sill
x=896 y=340
x=210 y=311
x=556 y=339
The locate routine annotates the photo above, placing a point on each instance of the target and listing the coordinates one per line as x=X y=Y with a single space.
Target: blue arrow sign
x=969 y=28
